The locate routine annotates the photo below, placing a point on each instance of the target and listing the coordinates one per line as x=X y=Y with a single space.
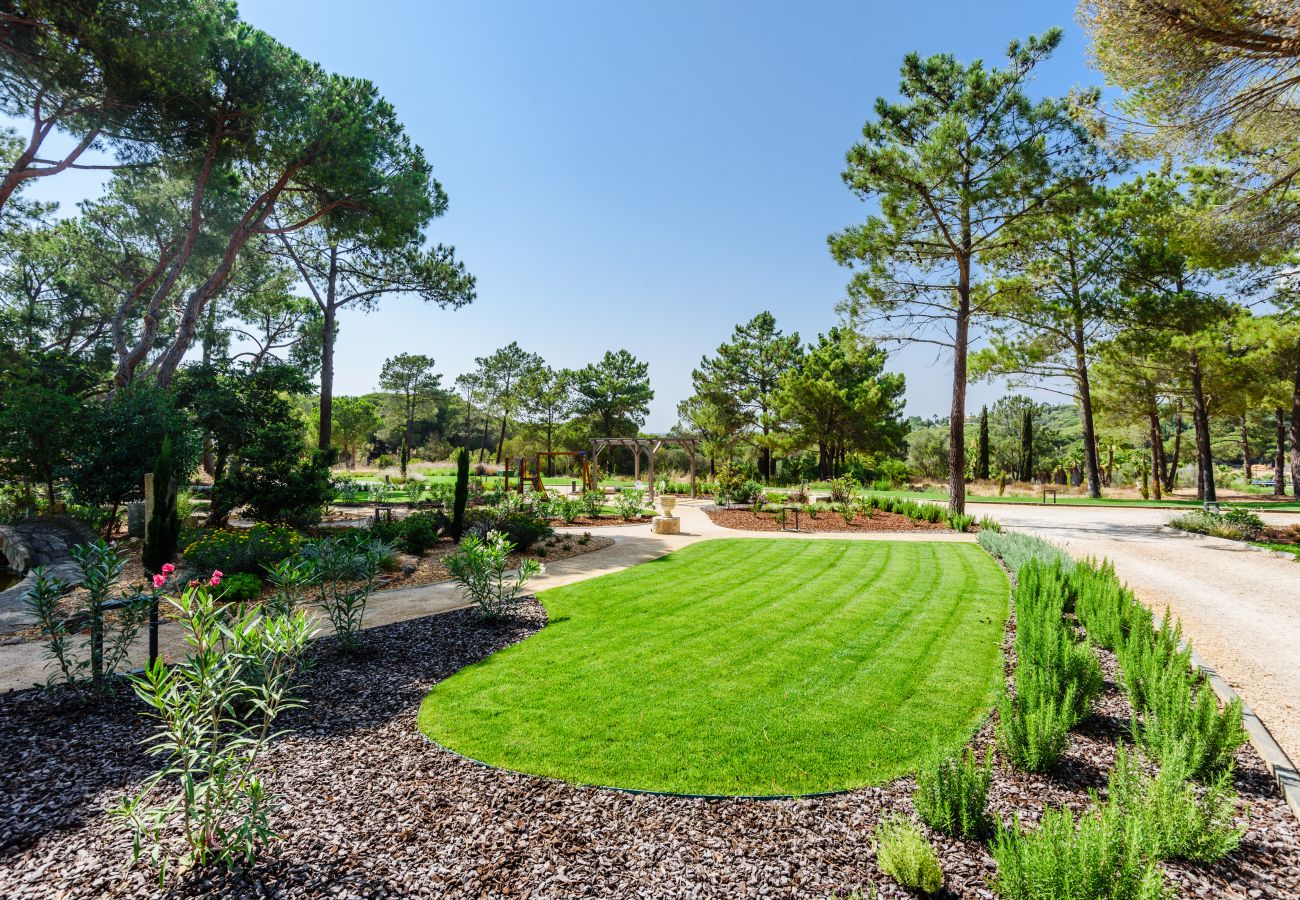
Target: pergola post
x=691 y=448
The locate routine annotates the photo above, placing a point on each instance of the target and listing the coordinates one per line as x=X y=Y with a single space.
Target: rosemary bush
x=1174 y=820
x=952 y=795
x=904 y=854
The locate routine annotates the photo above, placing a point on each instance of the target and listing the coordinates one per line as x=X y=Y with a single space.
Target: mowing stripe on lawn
x=745 y=667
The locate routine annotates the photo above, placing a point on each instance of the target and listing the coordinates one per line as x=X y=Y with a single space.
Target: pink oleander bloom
x=159 y=580
x=215 y=580
x=168 y=568
x=217 y=573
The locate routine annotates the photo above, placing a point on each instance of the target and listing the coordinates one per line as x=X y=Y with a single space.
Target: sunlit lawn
x=751 y=667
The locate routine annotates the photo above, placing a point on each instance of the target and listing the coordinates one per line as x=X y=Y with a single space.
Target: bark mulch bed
x=373 y=809
x=745 y=519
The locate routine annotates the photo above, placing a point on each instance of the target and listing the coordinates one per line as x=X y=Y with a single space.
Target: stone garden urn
x=667 y=523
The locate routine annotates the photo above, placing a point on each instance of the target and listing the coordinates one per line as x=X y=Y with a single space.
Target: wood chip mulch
x=373 y=809
x=745 y=519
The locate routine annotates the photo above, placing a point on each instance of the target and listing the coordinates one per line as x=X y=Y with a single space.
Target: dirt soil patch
x=745 y=519
x=371 y=808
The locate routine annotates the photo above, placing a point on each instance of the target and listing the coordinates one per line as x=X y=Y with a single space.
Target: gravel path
x=372 y=809
x=1240 y=608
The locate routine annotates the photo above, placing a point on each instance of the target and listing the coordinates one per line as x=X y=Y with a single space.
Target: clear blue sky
x=640 y=175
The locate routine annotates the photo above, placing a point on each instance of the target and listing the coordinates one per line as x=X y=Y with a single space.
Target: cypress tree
x=462 y=493
x=163 y=531
x=982 y=455
x=1027 y=447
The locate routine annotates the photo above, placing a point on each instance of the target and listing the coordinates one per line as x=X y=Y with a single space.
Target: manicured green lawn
x=750 y=667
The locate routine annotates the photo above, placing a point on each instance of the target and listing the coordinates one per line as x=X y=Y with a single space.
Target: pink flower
x=159 y=581
x=168 y=568
x=217 y=573
x=194 y=582
x=215 y=580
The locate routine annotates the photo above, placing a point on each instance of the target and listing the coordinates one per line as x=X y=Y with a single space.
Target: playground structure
x=649 y=445
x=534 y=476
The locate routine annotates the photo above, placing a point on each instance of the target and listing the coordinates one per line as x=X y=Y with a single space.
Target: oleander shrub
x=480 y=565
x=630 y=502
x=1096 y=858
x=233 y=550
x=952 y=795
x=1033 y=726
x=843 y=489
x=1173 y=818
x=904 y=854
x=242 y=587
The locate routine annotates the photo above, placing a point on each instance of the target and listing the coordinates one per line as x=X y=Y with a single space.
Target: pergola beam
x=650 y=445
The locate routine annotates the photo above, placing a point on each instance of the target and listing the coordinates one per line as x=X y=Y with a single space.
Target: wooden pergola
x=649 y=445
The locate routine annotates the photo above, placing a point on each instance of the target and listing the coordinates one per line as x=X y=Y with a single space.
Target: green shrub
x=843 y=489
x=1046 y=650
x=1106 y=607
x=1017 y=549
x=1033 y=726
x=904 y=854
x=1182 y=719
x=951 y=795
x=988 y=523
x=522 y=529
x=233 y=550
x=480 y=565
x=1173 y=819
x=959 y=521
x=630 y=502
x=1097 y=858
x=420 y=531
x=1233 y=524
x=1145 y=656
x=592 y=501
x=345 y=570
x=242 y=587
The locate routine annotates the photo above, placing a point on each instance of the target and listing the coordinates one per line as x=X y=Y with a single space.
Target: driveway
x=1239 y=608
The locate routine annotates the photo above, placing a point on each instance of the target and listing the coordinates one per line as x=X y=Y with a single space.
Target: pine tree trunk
x=1090 y=462
x=1201 y=425
x=957 y=413
x=1157 y=464
x=1245 y=451
x=1295 y=429
x=1279 y=456
x=325 y=431
x=1171 y=472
